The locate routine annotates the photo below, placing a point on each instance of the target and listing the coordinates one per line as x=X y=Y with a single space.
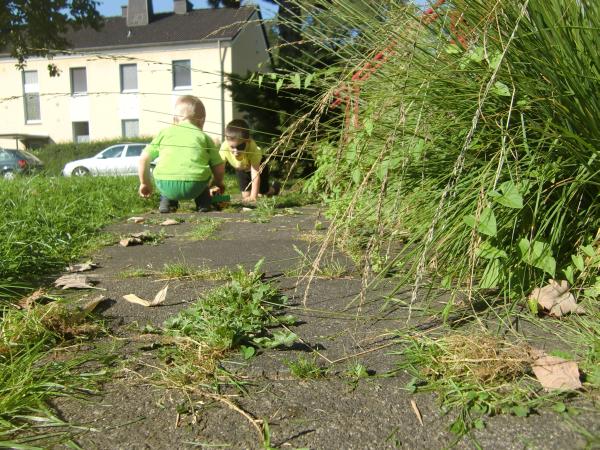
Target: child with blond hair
x=188 y=159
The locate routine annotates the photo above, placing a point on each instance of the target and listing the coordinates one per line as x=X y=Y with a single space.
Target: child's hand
x=145 y=190
x=215 y=190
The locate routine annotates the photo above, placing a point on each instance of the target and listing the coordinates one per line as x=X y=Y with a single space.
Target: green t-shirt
x=251 y=155
x=186 y=153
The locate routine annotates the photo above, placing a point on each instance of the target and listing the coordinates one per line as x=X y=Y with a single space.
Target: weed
x=356 y=371
x=205 y=229
x=135 y=273
x=478 y=374
x=183 y=270
x=226 y=318
x=30 y=374
x=305 y=368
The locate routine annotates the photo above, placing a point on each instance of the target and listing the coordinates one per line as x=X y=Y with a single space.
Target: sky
x=113 y=7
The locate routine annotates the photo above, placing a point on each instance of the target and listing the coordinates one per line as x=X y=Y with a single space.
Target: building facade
x=122 y=81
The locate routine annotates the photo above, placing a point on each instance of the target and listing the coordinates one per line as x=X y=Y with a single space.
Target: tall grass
x=47 y=222
x=478 y=135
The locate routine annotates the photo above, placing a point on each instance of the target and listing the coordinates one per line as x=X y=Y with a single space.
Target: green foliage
x=487 y=169
x=477 y=374
x=29 y=372
x=234 y=314
x=35 y=27
x=47 y=222
x=305 y=368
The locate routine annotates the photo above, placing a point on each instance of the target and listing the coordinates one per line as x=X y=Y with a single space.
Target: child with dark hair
x=241 y=151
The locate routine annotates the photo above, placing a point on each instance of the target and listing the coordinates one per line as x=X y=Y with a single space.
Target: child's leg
x=264 y=181
x=244 y=182
x=166 y=205
x=203 y=201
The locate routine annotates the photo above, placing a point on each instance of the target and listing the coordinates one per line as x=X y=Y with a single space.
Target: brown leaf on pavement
x=128 y=242
x=74 y=281
x=556 y=298
x=158 y=298
x=82 y=267
x=29 y=301
x=136 y=219
x=91 y=304
x=169 y=222
x=556 y=373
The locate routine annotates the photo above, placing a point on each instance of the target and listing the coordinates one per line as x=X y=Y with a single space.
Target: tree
x=36 y=27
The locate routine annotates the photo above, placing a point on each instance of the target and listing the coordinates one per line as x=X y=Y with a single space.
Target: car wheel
x=80 y=171
x=8 y=175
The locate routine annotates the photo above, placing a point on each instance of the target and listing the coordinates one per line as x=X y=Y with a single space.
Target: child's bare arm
x=255 y=176
x=144 y=175
x=218 y=174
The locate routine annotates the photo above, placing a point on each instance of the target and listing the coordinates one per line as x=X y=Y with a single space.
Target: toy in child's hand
x=220 y=198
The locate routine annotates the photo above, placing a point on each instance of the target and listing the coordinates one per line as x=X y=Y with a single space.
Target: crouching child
x=241 y=151
x=188 y=160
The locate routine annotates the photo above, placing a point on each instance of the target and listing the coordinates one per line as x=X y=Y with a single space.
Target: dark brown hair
x=238 y=129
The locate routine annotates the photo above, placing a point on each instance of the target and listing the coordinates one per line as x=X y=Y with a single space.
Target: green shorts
x=181 y=190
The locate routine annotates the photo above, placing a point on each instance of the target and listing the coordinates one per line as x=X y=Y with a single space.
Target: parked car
x=118 y=159
x=14 y=162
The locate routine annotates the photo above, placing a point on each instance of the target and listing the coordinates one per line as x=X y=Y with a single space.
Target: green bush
x=484 y=156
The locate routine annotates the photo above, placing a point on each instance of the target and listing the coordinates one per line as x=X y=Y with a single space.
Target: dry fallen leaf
x=158 y=298
x=128 y=242
x=143 y=235
x=556 y=373
x=169 y=222
x=556 y=298
x=244 y=209
x=74 y=281
x=416 y=411
x=29 y=301
x=91 y=304
x=82 y=267
x=136 y=219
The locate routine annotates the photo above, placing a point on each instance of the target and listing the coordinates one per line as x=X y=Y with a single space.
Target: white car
x=119 y=159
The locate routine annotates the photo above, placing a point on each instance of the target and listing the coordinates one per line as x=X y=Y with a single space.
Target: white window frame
x=178 y=62
x=31 y=88
x=75 y=136
x=122 y=78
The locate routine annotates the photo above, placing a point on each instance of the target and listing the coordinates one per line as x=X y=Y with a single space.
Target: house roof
x=196 y=25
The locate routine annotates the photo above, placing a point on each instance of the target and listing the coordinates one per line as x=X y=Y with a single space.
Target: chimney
x=124 y=11
x=139 y=13
x=181 y=6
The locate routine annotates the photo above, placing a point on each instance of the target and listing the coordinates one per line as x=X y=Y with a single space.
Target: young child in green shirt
x=245 y=156
x=188 y=159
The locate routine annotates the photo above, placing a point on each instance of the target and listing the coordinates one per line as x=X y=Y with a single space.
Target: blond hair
x=190 y=108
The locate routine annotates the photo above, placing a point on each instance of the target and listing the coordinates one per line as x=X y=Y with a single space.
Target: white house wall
x=105 y=106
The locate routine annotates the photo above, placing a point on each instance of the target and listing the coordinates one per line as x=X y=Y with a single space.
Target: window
x=130 y=128
x=135 y=149
x=78 y=81
x=129 y=80
x=31 y=96
x=81 y=132
x=182 y=74
x=113 y=152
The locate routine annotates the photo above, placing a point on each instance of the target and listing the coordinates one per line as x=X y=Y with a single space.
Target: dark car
x=14 y=162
